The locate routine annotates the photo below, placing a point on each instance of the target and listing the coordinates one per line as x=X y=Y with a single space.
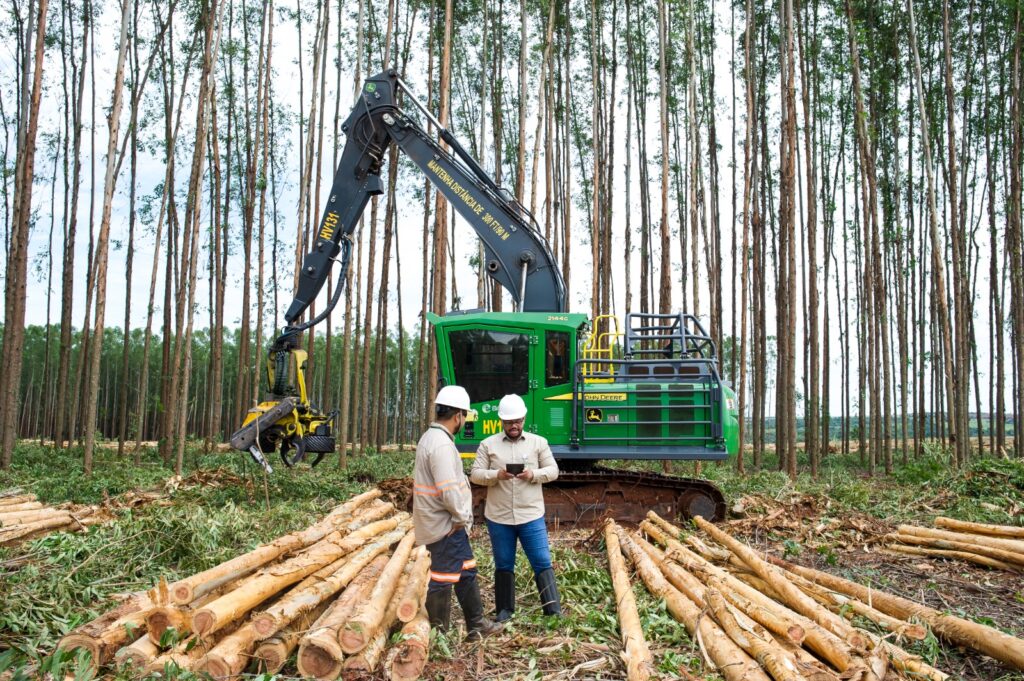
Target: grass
x=50 y=585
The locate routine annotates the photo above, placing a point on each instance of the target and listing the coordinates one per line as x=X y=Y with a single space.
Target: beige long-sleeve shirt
x=441 y=494
x=515 y=501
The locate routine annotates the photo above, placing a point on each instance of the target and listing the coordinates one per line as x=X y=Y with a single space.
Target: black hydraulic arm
x=517 y=255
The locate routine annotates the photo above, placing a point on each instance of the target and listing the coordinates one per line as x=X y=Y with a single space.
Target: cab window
x=556 y=358
x=490 y=364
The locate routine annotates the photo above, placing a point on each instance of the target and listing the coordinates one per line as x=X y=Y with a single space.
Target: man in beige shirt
x=442 y=514
x=513 y=464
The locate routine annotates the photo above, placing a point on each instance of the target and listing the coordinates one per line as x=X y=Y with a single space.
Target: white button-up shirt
x=515 y=501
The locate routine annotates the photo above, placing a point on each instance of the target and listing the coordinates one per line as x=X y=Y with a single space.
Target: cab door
x=491 y=363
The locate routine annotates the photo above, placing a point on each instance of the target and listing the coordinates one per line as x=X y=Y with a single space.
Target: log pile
x=332 y=590
x=999 y=547
x=24 y=517
x=758 y=618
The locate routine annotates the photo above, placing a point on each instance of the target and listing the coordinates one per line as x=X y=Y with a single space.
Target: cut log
x=1001 y=555
x=1006 y=531
x=952 y=555
x=810 y=667
x=21 y=506
x=268 y=582
x=104 y=636
x=369 y=616
x=187 y=654
x=137 y=654
x=298 y=601
x=959 y=631
x=841 y=603
x=25 y=517
x=708 y=552
x=635 y=653
x=770 y=614
x=772 y=658
x=368 y=659
x=411 y=654
x=11 y=535
x=231 y=655
x=16 y=499
x=789 y=593
x=189 y=589
x=1011 y=545
x=320 y=647
x=416 y=588
x=692 y=588
x=353 y=541
x=913 y=665
x=728 y=658
x=767 y=612
x=272 y=653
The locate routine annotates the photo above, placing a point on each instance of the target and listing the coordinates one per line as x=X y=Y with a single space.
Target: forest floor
x=220 y=509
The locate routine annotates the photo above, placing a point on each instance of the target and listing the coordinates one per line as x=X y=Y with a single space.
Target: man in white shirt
x=513 y=464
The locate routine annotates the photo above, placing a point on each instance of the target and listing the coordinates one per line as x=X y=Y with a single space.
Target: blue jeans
x=532 y=535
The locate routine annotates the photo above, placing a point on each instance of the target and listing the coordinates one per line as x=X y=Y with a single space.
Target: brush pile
x=994 y=546
x=333 y=591
x=24 y=517
x=757 y=618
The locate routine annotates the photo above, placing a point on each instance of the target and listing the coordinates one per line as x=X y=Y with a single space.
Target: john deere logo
x=594 y=416
x=371 y=87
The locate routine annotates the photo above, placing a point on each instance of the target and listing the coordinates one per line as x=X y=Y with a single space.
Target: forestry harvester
x=648 y=389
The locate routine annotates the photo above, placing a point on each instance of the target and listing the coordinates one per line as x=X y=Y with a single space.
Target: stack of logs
x=333 y=591
x=24 y=517
x=759 y=618
x=995 y=546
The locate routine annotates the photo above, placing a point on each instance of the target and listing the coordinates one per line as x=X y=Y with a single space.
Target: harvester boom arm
x=517 y=255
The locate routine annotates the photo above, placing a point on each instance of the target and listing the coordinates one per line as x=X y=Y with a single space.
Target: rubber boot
x=439 y=608
x=477 y=626
x=504 y=595
x=548 y=590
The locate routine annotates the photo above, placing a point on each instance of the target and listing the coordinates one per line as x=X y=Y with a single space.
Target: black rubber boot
x=477 y=626
x=504 y=595
x=439 y=608
x=548 y=590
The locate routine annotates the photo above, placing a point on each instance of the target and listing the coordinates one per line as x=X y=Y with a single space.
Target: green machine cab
x=650 y=391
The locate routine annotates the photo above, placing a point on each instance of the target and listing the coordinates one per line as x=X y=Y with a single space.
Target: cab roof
x=570 y=321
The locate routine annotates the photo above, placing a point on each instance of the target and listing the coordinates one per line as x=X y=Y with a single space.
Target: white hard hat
x=453 y=396
x=511 y=408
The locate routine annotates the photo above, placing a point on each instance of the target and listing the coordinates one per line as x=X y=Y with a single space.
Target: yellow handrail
x=601 y=346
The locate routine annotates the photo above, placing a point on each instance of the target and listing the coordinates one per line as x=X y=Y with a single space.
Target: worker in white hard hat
x=513 y=464
x=442 y=513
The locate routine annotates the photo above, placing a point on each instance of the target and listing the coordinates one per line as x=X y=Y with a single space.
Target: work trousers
x=451 y=561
